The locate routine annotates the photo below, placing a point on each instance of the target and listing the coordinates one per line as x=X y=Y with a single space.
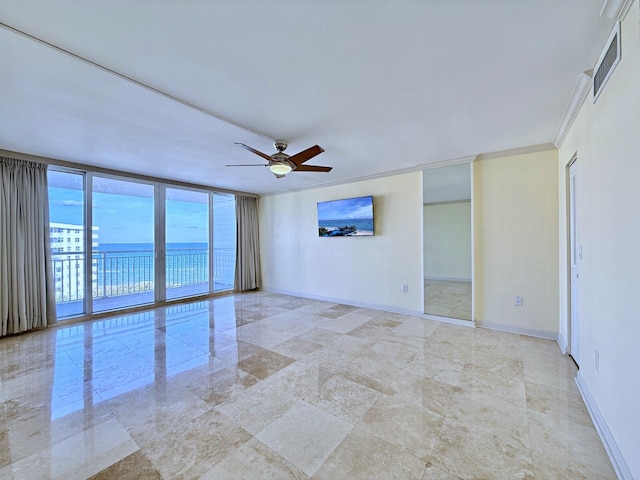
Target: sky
x=350 y=208
x=129 y=219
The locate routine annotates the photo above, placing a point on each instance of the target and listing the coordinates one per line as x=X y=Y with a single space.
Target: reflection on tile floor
x=264 y=386
x=448 y=298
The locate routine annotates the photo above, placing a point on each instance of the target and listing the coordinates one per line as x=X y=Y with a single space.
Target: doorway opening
x=447 y=237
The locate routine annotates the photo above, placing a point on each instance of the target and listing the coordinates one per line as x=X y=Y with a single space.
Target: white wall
x=355 y=270
x=606 y=138
x=447 y=241
x=516 y=247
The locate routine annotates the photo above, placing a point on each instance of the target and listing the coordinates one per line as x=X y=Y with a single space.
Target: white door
x=576 y=257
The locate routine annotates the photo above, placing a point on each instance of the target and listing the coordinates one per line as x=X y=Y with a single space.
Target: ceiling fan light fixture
x=280 y=163
x=279 y=168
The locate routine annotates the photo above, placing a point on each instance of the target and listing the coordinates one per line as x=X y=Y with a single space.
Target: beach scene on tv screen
x=346 y=218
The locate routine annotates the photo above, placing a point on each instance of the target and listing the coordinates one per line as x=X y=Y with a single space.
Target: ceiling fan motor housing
x=281 y=163
x=281 y=157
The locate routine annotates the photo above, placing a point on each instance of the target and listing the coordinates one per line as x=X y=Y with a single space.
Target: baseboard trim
x=448 y=279
x=403 y=311
x=521 y=331
x=383 y=308
x=453 y=321
x=372 y=306
x=617 y=460
x=562 y=343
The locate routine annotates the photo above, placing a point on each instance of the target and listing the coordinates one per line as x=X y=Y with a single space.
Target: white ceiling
x=380 y=85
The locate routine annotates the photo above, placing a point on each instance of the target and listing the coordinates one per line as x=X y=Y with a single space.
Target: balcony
x=120 y=279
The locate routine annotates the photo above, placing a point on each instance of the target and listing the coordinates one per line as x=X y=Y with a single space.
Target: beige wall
x=520 y=244
x=606 y=138
x=354 y=270
x=516 y=247
x=447 y=241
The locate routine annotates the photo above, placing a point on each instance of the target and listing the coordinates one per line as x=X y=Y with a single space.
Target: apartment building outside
x=67 y=251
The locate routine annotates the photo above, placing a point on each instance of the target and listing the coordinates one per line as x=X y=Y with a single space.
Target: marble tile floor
x=264 y=386
x=448 y=298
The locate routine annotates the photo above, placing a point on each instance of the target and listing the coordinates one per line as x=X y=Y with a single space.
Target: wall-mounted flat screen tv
x=346 y=218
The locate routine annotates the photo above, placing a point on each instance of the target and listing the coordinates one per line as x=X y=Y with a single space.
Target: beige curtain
x=248 y=272
x=27 y=298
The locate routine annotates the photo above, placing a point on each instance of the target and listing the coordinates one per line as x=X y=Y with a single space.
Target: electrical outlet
x=404 y=288
x=517 y=301
x=597 y=359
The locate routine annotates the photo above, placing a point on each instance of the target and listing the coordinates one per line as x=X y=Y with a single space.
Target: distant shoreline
x=349 y=233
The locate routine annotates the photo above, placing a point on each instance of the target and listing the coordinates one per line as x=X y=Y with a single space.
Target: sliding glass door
x=224 y=241
x=67 y=240
x=187 y=243
x=148 y=242
x=123 y=252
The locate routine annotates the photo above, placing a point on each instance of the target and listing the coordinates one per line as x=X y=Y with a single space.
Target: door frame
x=570 y=212
x=469 y=161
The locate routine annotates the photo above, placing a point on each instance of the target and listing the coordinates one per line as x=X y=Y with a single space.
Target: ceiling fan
x=280 y=163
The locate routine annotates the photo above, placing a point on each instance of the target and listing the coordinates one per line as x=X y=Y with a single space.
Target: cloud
x=68 y=203
x=353 y=208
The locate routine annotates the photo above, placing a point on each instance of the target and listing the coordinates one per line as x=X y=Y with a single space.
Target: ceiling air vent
x=608 y=60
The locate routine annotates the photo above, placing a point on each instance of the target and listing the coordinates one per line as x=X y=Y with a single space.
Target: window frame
x=160 y=186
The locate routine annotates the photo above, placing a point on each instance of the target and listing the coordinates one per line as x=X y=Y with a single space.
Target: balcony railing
x=115 y=273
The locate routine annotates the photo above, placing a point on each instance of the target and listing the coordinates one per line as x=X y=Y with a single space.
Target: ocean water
x=148 y=247
x=126 y=266
x=362 y=224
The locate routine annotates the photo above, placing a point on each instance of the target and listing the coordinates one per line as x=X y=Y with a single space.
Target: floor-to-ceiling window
x=124 y=255
x=148 y=241
x=224 y=241
x=187 y=242
x=67 y=238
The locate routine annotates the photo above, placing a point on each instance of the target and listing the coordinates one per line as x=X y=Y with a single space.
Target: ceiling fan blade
x=248 y=165
x=303 y=156
x=257 y=152
x=312 y=168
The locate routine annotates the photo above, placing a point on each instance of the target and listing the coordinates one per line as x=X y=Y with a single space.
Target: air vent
x=607 y=62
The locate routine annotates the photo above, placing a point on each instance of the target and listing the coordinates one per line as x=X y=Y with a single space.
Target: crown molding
x=578 y=96
x=447 y=163
x=344 y=181
x=615 y=9
x=543 y=147
x=391 y=173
